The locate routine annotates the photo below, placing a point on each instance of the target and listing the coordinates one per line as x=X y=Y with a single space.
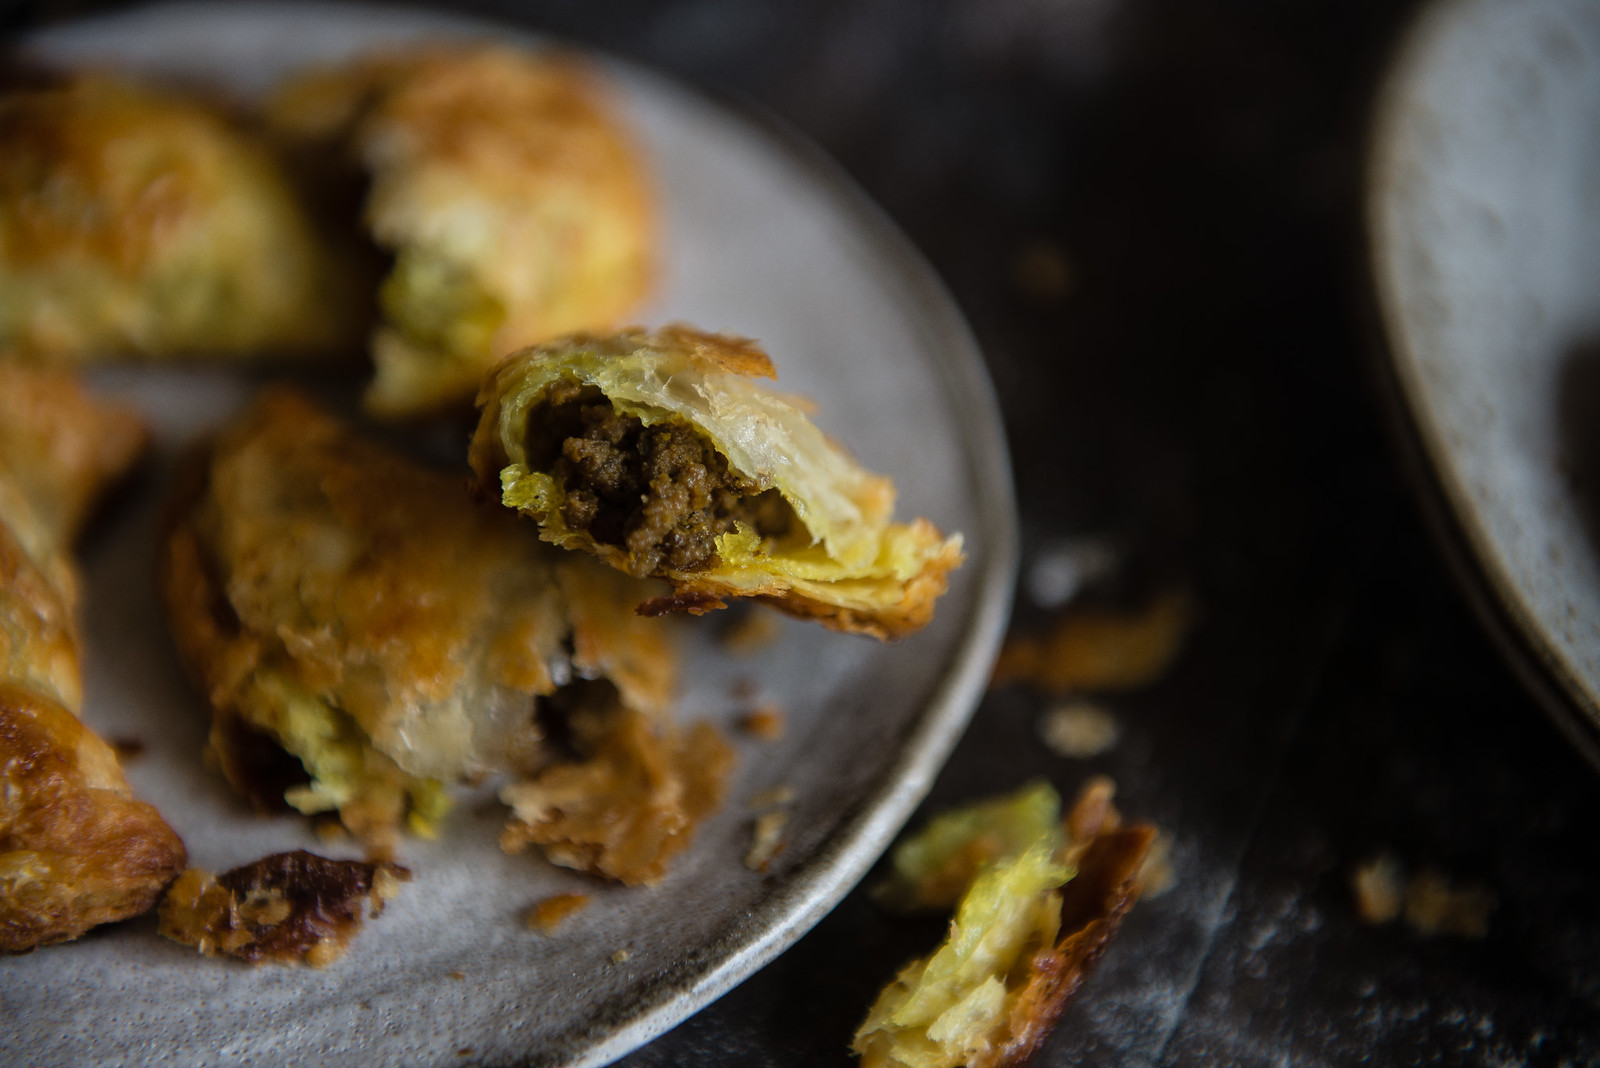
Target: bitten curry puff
x=368 y=634
x=76 y=848
x=516 y=206
x=659 y=453
x=136 y=223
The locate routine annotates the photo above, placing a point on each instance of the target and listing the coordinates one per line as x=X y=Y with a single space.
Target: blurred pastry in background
x=76 y=848
x=516 y=206
x=138 y=224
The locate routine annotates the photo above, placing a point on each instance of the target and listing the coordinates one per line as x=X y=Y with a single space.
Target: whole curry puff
x=659 y=453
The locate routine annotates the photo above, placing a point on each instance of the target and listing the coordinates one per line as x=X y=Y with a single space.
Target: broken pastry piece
x=76 y=848
x=660 y=454
x=289 y=908
x=367 y=635
x=1034 y=918
x=139 y=224
x=516 y=206
x=628 y=805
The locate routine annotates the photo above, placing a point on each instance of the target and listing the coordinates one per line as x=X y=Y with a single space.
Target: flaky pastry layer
x=840 y=559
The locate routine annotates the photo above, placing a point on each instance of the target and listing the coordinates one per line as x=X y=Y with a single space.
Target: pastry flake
x=660 y=454
x=1042 y=900
x=139 y=224
x=515 y=204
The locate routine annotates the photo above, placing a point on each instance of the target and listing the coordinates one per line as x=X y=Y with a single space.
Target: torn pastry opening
x=660 y=492
x=661 y=454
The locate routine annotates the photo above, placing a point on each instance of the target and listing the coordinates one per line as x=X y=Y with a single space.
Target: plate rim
x=1447 y=507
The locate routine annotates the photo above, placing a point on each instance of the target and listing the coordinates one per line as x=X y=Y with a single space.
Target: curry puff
x=659 y=453
x=139 y=224
x=367 y=634
x=76 y=848
x=516 y=207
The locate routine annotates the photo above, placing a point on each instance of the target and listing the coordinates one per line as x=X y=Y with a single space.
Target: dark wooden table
x=1150 y=213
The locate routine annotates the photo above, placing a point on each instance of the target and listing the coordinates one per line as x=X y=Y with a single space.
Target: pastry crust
x=76 y=848
x=516 y=205
x=840 y=560
x=368 y=616
x=137 y=224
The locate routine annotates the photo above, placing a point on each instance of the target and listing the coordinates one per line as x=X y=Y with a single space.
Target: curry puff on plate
x=76 y=848
x=367 y=634
x=660 y=454
x=515 y=205
x=139 y=224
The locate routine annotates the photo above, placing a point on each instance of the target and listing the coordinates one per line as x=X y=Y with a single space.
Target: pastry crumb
x=765 y=721
x=550 y=913
x=1378 y=889
x=1156 y=875
x=621 y=956
x=767 y=841
x=458 y=975
x=782 y=794
x=1096 y=650
x=1437 y=905
x=288 y=908
x=1079 y=730
x=1430 y=902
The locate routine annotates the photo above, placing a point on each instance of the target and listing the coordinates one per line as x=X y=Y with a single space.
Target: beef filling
x=661 y=492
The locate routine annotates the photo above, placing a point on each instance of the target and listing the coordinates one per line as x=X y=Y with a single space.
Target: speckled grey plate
x=1484 y=227
x=764 y=239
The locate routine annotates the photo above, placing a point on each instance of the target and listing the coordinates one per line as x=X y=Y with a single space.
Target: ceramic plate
x=764 y=239
x=1484 y=225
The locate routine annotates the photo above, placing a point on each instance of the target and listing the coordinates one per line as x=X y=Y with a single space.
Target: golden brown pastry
x=516 y=206
x=1041 y=902
x=289 y=908
x=660 y=454
x=139 y=224
x=370 y=618
x=76 y=848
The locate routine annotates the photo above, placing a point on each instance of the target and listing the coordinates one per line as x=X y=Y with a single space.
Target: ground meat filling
x=661 y=492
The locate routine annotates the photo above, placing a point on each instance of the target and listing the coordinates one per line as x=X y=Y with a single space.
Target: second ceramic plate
x=1484 y=218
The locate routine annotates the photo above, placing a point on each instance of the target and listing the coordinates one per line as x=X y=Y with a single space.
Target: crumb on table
x=1078 y=729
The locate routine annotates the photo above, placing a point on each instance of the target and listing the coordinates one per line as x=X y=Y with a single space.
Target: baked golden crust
x=516 y=205
x=838 y=558
x=138 y=224
x=76 y=849
x=383 y=627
